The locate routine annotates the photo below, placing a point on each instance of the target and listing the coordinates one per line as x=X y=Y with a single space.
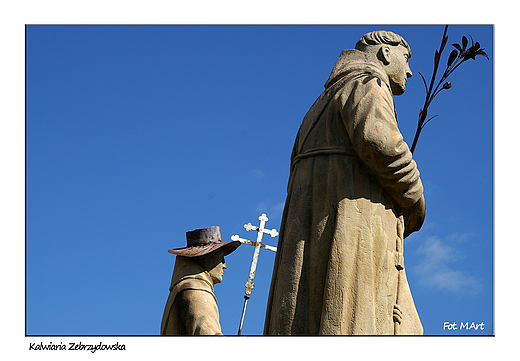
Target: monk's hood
x=352 y=62
x=187 y=274
x=187 y=269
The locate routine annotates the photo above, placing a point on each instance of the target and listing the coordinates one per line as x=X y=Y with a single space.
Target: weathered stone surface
x=191 y=308
x=354 y=194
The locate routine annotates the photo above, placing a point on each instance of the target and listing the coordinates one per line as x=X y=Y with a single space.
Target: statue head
x=206 y=248
x=392 y=52
x=214 y=263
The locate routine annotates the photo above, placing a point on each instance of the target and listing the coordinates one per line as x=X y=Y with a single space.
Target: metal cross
x=258 y=244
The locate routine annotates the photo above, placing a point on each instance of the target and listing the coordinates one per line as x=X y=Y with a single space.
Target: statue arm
x=199 y=312
x=368 y=113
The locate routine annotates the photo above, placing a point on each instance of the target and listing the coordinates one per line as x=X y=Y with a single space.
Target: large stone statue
x=192 y=308
x=354 y=194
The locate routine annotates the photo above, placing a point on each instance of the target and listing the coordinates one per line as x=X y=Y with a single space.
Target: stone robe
x=192 y=307
x=339 y=266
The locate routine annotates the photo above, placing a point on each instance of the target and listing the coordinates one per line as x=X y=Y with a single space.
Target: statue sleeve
x=369 y=115
x=199 y=312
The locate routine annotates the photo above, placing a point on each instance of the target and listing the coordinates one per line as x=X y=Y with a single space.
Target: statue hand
x=414 y=217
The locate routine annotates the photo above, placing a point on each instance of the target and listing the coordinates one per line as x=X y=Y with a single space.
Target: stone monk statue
x=191 y=308
x=354 y=194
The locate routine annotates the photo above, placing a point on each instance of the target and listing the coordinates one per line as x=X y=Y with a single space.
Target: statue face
x=217 y=272
x=397 y=69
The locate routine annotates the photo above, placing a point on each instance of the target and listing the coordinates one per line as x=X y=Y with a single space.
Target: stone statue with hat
x=191 y=308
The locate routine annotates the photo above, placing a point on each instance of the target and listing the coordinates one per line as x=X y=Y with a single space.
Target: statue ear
x=384 y=54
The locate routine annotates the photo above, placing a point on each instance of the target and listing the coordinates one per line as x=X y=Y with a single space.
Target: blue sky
x=136 y=134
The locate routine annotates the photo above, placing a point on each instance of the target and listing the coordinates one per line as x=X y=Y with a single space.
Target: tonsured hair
x=381 y=37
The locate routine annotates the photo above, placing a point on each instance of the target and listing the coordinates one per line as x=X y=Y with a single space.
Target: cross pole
x=258 y=244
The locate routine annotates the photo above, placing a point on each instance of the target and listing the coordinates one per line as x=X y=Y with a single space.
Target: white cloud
x=273 y=210
x=262 y=206
x=278 y=209
x=459 y=238
x=438 y=268
x=430 y=188
x=256 y=173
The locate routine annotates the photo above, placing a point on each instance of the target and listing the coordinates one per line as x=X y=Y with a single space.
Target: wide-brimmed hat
x=203 y=241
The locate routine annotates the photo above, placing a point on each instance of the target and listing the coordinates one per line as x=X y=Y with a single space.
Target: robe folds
x=339 y=268
x=191 y=308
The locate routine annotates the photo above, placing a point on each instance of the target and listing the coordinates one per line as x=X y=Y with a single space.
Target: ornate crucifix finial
x=258 y=244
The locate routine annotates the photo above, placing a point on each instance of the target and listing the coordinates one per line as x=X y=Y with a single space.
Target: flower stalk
x=456 y=58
